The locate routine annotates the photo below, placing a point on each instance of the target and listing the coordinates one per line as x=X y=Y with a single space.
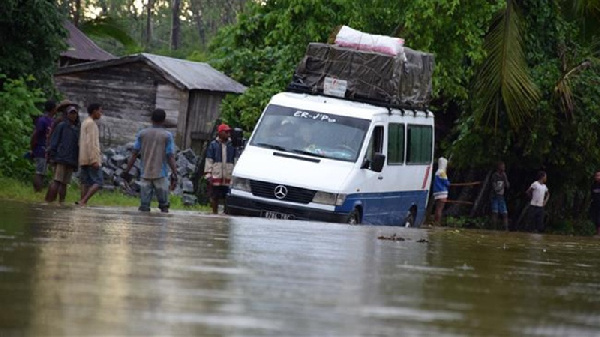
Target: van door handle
x=380 y=177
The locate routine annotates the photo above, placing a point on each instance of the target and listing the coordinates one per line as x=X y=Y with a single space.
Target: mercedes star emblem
x=280 y=192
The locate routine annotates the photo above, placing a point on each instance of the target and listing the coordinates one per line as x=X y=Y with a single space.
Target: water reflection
x=70 y=271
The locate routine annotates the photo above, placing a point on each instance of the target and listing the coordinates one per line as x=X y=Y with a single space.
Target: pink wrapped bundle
x=352 y=38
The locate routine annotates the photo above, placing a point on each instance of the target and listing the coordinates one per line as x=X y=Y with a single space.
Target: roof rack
x=301 y=88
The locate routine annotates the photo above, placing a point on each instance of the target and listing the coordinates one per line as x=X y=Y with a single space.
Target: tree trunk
x=241 y=4
x=176 y=25
x=464 y=193
x=104 y=8
x=476 y=210
x=77 y=13
x=148 y=36
x=227 y=13
x=198 y=18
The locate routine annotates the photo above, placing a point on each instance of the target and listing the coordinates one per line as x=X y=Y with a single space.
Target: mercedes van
x=315 y=157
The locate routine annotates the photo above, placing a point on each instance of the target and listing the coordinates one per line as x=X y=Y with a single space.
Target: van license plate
x=277 y=215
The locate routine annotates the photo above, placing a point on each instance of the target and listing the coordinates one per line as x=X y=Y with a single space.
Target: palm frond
x=587 y=14
x=503 y=84
x=108 y=27
x=583 y=7
x=562 y=89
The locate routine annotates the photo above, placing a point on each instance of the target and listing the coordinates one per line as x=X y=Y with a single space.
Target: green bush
x=474 y=223
x=33 y=36
x=583 y=227
x=17 y=107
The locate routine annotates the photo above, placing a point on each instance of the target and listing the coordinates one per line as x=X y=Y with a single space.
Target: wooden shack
x=131 y=87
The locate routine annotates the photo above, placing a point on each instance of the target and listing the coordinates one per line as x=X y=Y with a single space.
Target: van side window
x=376 y=143
x=395 y=153
x=419 y=144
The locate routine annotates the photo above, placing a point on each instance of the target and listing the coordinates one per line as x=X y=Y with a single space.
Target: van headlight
x=336 y=199
x=241 y=184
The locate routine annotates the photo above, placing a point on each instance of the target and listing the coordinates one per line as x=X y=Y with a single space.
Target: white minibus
x=314 y=157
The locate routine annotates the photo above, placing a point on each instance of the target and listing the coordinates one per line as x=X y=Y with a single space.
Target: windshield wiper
x=308 y=153
x=271 y=146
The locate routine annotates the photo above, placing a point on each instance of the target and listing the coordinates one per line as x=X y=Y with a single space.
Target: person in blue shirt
x=441 y=183
x=440 y=188
x=156 y=147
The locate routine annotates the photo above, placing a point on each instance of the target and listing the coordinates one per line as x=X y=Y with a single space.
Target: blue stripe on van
x=389 y=208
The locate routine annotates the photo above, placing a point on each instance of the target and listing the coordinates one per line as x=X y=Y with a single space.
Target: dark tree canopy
x=33 y=37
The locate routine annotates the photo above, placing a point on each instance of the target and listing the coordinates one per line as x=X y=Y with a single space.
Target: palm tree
x=588 y=12
x=503 y=85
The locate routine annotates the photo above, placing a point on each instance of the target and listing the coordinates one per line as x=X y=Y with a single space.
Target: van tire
x=411 y=217
x=354 y=217
x=409 y=221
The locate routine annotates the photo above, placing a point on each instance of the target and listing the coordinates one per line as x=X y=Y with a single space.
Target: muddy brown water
x=113 y=271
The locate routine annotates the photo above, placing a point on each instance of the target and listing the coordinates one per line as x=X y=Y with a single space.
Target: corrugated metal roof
x=82 y=48
x=182 y=73
x=195 y=75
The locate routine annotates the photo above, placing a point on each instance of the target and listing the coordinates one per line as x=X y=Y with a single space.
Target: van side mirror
x=237 y=137
x=377 y=163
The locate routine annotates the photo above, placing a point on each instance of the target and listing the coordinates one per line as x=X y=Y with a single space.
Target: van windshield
x=311 y=133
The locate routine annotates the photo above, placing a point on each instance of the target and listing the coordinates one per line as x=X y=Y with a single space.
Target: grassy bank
x=12 y=189
x=555 y=225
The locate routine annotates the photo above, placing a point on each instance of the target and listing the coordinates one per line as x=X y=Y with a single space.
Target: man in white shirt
x=90 y=156
x=539 y=197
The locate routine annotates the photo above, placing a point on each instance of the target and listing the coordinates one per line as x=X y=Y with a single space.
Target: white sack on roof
x=352 y=38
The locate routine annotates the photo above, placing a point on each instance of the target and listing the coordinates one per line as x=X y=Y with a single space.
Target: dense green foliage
x=514 y=80
x=562 y=140
x=263 y=48
x=32 y=39
x=514 y=74
x=17 y=106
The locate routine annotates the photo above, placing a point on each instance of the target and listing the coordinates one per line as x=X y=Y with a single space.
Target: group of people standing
x=64 y=144
x=537 y=192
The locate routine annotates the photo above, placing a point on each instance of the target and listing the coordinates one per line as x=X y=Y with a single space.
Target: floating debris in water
x=393 y=237
x=465 y=267
x=423 y=241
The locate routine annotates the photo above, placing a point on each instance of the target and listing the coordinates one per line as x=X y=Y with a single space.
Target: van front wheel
x=354 y=217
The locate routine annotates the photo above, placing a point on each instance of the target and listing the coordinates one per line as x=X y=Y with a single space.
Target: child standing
x=539 y=197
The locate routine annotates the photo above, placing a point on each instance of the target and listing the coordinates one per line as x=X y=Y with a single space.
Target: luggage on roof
x=402 y=80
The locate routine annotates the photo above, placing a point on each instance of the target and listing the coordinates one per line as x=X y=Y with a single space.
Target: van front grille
x=282 y=192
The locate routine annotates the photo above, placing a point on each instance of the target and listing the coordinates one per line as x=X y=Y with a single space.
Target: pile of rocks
x=114 y=162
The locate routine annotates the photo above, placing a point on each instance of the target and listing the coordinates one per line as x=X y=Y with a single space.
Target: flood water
x=108 y=271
